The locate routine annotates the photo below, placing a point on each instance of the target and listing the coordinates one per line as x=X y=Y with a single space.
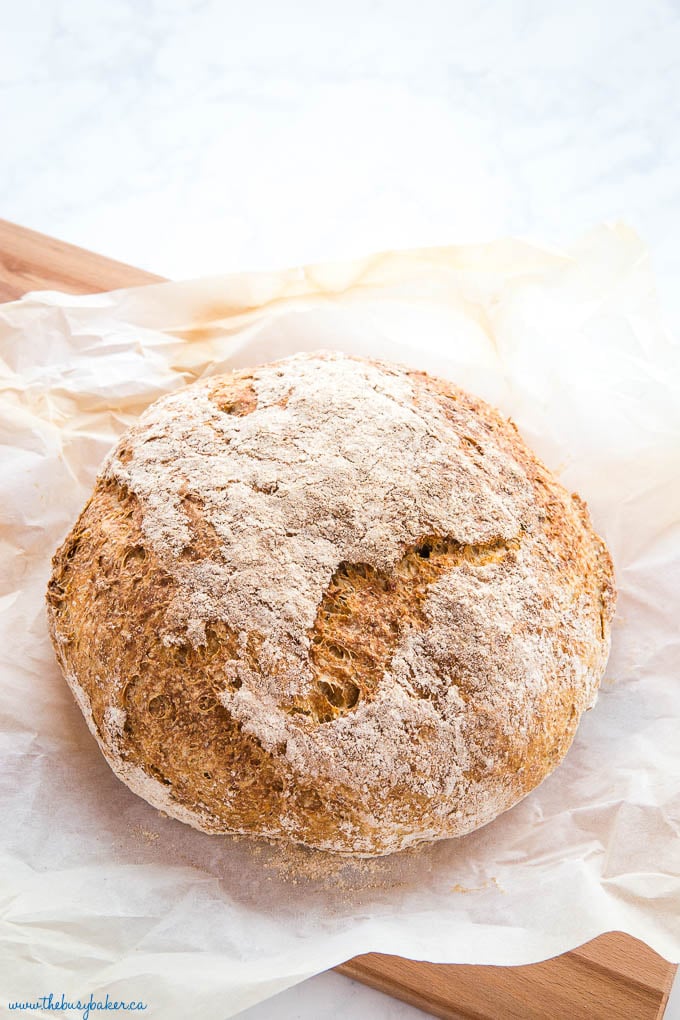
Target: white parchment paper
x=100 y=893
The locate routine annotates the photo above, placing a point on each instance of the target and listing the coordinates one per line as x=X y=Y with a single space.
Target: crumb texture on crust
x=331 y=600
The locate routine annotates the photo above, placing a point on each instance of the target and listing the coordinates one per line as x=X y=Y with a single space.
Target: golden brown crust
x=396 y=654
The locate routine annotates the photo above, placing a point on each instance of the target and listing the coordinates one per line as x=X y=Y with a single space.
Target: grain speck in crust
x=333 y=601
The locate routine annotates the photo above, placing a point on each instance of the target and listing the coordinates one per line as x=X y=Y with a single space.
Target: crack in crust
x=364 y=613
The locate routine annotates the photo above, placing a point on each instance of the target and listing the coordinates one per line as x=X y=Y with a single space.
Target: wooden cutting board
x=614 y=977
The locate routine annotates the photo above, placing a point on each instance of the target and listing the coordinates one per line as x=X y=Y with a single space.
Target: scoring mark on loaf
x=364 y=613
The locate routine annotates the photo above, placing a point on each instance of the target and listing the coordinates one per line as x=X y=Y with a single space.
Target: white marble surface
x=198 y=136
x=195 y=136
x=331 y=997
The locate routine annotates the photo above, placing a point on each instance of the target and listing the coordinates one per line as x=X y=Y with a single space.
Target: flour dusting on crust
x=258 y=494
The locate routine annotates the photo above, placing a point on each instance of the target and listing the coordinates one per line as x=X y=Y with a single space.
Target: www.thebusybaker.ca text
x=83 y=1007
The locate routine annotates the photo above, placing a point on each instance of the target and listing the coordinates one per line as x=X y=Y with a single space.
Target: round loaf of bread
x=334 y=601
